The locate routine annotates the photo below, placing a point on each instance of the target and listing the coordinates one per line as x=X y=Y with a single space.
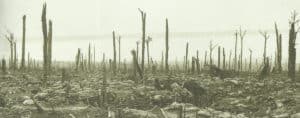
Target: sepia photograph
x=149 y=59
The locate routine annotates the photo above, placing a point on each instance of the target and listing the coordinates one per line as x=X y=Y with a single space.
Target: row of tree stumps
x=140 y=65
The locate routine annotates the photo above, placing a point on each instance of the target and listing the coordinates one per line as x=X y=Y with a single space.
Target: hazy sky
x=98 y=17
x=94 y=17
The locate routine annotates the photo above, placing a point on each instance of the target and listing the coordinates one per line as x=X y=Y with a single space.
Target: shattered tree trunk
x=242 y=35
x=3 y=66
x=28 y=61
x=265 y=50
x=89 y=57
x=292 y=51
x=266 y=36
x=205 y=62
x=167 y=46
x=104 y=87
x=45 y=46
x=148 y=54
x=162 y=61
x=94 y=63
x=193 y=65
x=119 y=41
x=250 y=62
x=11 y=62
x=241 y=56
x=23 y=43
x=219 y=56
x=136 y=65
x=114 y=64
x=229 y=63
x=15 y=63
x=50 y=46
x=143 y=14
x=224 y=59
x=11 y=44
x=78 y=59
x=235 y=52
x=137 y=50
x=278 y=66
x=186 y=56
x=198 y=62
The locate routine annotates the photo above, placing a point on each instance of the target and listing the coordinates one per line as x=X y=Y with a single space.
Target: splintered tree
x=193 y=64
x=15 y=63
x=89 y=57
x=235 y=51
x=119 y=41
x=205 y=62
x=224 y=59
x=149 y=39
x=45 y=30
x=186 y=56
x=197 y=62
x=167 y=46
x=114 y=64
x=162 y=61
x=50 y=45
x=229 y=61
x=47 y=46
x=77 y=59
x=136 y=65
x=292 y=41
x=23 y=43
x=94 y=63
x=278 y=66
x=143 y=14
x=250 y=62
x=137 y=50
x=242 y=35
x=11 y=44
x=3 y=66
x=266 y=37
x=104 y=85
x=219 y=56
x=211 y=48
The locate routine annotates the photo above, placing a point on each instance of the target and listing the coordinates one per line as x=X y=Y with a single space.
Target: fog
x=75 y=20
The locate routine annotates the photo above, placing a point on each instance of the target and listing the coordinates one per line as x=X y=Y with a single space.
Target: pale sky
x=94 y=17
x=72 y=18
